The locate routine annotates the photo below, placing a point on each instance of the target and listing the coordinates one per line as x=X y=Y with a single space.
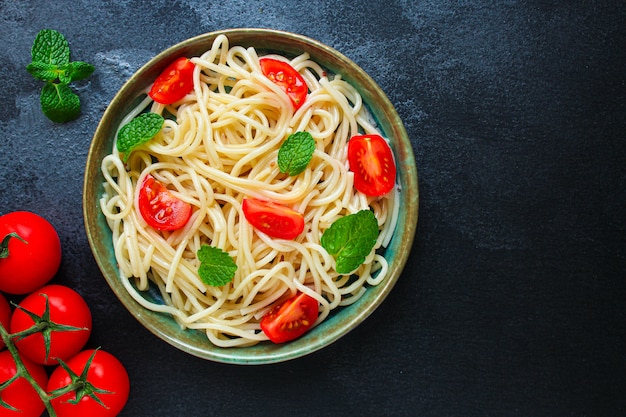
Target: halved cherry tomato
x=160 y=208
x=287 y=78
x=290 y=319
x=174 y=83
x=273 y=219
x=372 y=162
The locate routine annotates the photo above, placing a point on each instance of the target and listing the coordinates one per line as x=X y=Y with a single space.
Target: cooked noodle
x=218 y=145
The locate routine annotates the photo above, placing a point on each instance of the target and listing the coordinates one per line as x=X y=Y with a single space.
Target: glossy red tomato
x=30 y=261
x=372 y=162
x=174 y=83
x=160 y=208
x=290 y=319
x=106 y=373
x=20 y=394
x=273 y=219
x=5 y=317
x=287 y=78
x=66 y=307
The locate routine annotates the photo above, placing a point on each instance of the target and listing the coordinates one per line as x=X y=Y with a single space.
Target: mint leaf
x=217 y=268
x=350 y=239
x=43 y=71
x=51 y=63
x=51 y=48
x=138 y=131
x=295 y=153
x=59 y=103
x=74 y=71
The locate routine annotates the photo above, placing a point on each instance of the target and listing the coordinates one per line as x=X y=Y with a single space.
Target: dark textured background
x=513 y=301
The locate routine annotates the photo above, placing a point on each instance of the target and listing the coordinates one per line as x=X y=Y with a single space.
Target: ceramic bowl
x=340 y=321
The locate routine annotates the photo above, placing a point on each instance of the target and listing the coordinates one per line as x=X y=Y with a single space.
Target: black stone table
x=513 y=299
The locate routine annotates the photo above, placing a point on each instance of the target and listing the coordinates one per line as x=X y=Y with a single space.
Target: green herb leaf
x=217 y=268
x=51 y=63
x=51 y=48
x=59 y=103
x=138 y=131
x=74 y=71
x=350 y=239
x=43 y=71
x=295 y=153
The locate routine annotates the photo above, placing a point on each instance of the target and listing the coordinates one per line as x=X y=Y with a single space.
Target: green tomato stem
x=23 y=372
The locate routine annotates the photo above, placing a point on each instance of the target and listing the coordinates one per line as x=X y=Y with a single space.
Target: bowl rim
x=283 y=42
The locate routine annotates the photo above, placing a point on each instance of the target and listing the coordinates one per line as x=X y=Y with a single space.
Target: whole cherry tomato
x=160 y=208
x=287 y=78
x=372 y=162
x=273 y=219
x=67 y=308
x=291 y=319
x=20 y=394
x=174 y=83
x=106 y=374
x=5 y=317
x=30 y=252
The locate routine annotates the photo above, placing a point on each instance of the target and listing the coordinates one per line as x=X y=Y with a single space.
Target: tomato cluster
x=44 y=336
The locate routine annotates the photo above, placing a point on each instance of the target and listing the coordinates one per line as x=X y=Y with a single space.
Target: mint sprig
x=138 y=131
x=217 y=268
x=350 y=239
x=295 y=153
x=51 y=63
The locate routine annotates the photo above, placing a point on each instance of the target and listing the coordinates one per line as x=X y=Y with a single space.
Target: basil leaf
x=217 y=268
x=350 y=239
x=295 y=153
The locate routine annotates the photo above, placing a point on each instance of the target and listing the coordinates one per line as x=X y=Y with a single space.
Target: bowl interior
x=340 y=321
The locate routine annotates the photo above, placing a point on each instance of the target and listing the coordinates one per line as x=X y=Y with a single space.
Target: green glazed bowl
x=340 y=321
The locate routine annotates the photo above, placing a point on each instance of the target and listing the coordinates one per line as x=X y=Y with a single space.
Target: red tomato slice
x=174 y=83
x=372 y=162
x=290 y=319
x=287 y=78
x=273 y=219
x=160 y=208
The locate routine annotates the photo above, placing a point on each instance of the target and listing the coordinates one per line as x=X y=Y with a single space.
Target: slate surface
x=513 y=300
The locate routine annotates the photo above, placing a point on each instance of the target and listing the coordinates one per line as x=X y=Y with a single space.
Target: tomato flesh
x=160 y=208
x=372 y=162
x=287 y=78
x=174 y=83
x=291 y=319
x=105 y=372
x=273 y=219
x=31 y=260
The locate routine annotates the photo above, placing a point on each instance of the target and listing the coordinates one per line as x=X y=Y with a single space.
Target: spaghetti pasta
x=218 y=145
